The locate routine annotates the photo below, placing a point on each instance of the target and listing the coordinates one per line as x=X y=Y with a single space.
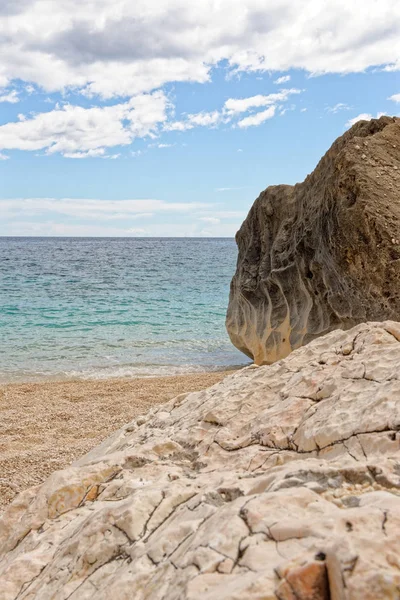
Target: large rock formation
x=323 y=254
x=281 y=482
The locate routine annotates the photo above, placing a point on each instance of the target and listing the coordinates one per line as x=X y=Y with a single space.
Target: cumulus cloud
x=395 y=98
x=125 y=52
x=11 y=97
x=123 y=48
x=231 y=110
x=79 y=132
x=283 y=79
x=258 y=118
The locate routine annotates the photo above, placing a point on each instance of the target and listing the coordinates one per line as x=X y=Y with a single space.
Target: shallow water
x=103 y=307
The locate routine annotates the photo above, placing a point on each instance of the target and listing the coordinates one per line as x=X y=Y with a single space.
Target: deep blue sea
x=114 y=307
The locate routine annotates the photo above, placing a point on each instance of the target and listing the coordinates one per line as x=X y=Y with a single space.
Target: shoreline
x=46 y=425
x=65 y=378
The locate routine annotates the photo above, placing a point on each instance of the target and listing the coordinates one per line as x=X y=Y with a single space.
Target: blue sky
x=165 y=119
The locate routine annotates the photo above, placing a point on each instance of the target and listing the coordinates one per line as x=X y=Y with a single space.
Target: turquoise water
x=95 y=308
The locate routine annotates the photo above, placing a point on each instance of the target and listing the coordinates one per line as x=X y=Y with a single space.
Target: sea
x=94 y=308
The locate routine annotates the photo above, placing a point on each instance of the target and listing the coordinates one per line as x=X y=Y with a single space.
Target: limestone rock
x=280 y=482
x=323 y=254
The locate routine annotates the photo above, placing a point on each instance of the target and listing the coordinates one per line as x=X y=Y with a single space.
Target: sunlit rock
x=323 y=254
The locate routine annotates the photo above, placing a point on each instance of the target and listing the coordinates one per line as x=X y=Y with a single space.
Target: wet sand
x=46 y=426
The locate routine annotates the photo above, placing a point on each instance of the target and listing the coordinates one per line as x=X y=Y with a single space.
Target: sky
x=168 y=117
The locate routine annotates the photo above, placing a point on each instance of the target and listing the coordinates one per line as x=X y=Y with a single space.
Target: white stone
x=282 y=481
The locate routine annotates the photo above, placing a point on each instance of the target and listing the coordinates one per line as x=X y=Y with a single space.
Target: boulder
x=280 y=482
x=323 y=254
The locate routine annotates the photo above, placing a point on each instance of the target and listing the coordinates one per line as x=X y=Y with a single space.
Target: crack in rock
x=200 y=520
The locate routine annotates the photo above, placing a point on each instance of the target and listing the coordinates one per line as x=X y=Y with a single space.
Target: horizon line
x=120 y=237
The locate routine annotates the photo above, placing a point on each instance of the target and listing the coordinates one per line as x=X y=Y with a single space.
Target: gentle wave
x=120 y=372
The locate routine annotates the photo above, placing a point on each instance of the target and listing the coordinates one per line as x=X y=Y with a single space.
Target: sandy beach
x=46 y=426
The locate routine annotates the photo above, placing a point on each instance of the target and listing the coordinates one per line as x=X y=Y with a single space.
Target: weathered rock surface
x=323 y=254
x=281 y=482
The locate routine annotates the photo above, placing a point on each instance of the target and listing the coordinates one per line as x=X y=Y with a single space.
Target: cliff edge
x=323 y=254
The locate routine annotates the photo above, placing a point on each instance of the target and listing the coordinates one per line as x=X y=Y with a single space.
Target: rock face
x=323 y=254
x=281 y=482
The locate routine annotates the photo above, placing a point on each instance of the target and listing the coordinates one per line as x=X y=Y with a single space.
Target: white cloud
x=203 y=119
x=54 y=228
x=3 y=156
x=238 y=105
x=258 y=118
x=283 y=79
x=178 y=126
x=395 y=98
x=231 y=109
x=360 y=117
x=94 y=210
x=11 y=97
x=363 y=117
x=338 y=107
x=170 y=229
x=78 y=132
x=89 y=217
x=123 y=48
x=89 y=154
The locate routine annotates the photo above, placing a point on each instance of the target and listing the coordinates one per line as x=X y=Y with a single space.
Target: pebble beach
x=48 y=425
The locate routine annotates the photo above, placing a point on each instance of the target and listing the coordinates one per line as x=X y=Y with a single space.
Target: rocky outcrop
x=281 y=482
x=323 y=254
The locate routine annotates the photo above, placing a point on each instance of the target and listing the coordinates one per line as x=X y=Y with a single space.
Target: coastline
x=49 y=424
